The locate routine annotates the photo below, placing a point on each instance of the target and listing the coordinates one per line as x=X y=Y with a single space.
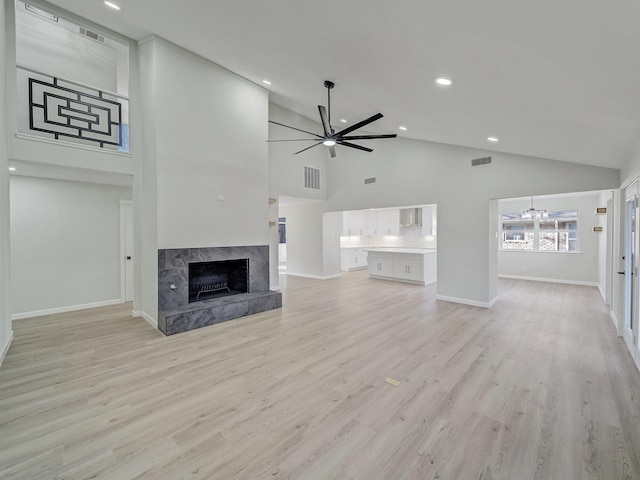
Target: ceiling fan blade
x=297 y=140
x=353 y=145
x=361 y=124
x=305 y=149
x=369 y=137
x=332 y=151
x=325 y=121
x=294 y=128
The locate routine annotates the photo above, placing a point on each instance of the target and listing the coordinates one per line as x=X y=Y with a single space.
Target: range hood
x=411 y=217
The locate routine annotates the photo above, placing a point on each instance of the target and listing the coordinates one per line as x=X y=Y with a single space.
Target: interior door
x=126 y=239
x=631 y=271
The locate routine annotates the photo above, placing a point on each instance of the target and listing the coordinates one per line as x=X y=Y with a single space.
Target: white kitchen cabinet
x=354 y=222
x=353 y=259
x=429 y=220
x=408 y=269
x=380 y=264
x=371 y=222
x=430 y=268
x=403 y=265
x=388 y=222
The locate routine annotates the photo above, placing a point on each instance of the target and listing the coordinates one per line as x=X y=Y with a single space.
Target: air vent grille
x=480 y=161
x=311 y=178
x=91 y=35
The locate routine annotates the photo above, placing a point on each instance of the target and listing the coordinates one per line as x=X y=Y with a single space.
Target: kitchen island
x=410 y=265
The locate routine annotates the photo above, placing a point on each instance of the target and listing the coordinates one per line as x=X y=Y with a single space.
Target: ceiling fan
x=331 y=138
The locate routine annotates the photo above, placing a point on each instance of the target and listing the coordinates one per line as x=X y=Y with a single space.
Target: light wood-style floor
x=539 y=387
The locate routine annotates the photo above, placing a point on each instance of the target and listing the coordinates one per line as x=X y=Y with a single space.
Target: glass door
x=631 y=271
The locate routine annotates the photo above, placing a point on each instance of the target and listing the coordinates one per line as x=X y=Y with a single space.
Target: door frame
x=608 y=277
x=631 y=290
x=123 y=283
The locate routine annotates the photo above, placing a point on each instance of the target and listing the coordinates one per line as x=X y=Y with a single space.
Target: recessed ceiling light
x=492 y=139
x=112 y=5
x=266 y=82
x=444 y=81
x=12 y=169
x=403 y=128
x=343 y=120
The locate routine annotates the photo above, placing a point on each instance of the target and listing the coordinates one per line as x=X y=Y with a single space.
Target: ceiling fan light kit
x=330 y=137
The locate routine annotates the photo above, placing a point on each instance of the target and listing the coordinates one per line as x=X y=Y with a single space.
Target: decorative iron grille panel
x=63 y=111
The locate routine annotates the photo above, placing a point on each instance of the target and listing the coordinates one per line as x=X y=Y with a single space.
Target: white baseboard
x=466 y=301
x=551 y=280
x=353 y=269
x=6 y=348
x=150 y=320
x=71 y=308
x=616 y=323
x=315 y=277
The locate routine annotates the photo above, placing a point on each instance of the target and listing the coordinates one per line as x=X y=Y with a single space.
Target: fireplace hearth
x=198 y=287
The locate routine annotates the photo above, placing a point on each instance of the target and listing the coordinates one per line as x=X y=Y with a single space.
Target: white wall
x=411 y=172
x=286 y=170
x=50 y=152
x=65 y=243
x=579 y=268
x=632 y=168
x=48 y=47
x=286 y=173
x=305 y=242
x=602 y=221
x=331 y=231
x=211 y=131
x=6 y=333
x=205 y=132
x=146 y=213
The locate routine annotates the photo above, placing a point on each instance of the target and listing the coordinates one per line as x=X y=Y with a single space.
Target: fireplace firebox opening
x=218 y=279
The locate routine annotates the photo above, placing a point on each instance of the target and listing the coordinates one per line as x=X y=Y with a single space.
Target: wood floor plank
x=538 y=387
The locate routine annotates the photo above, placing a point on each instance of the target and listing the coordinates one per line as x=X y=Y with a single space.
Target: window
x=557 y=231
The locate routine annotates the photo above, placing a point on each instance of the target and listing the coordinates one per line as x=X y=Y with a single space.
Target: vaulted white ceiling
x=558 y=79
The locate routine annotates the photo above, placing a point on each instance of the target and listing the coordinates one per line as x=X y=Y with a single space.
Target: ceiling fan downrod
x=329 y=85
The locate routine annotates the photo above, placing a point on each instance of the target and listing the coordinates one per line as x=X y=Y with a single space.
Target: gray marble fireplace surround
x=176 y=314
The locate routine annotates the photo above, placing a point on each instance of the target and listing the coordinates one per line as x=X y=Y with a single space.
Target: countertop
x=400 y=250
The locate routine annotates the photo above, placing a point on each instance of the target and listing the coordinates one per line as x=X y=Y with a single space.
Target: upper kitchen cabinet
x=354 y=222
x=371 y=222
x=388 y=222
x=429 y=220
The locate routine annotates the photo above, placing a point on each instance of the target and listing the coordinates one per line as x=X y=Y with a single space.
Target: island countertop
x=400 y=250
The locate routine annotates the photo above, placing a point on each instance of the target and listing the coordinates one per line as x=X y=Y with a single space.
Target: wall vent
x=370 y=181
x=91 y=35
x=311 y=178
x=480 y=161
